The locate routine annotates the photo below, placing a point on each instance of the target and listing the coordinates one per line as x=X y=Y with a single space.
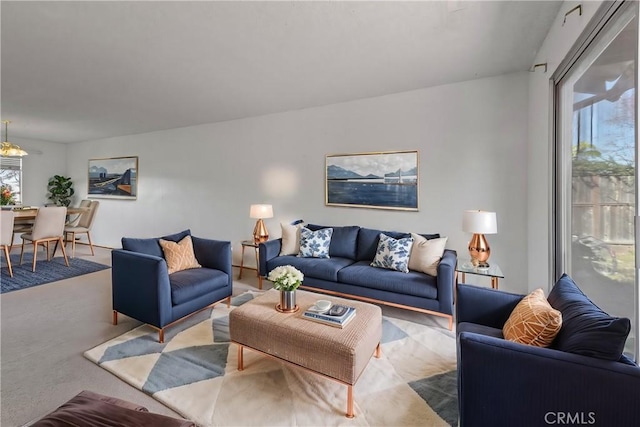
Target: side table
x=254 y=245
x=493 y=271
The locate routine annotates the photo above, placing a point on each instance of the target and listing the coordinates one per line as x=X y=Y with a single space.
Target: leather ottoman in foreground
x=337 y=354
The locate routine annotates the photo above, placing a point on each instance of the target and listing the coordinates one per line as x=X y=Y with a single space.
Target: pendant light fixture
x=8 y=149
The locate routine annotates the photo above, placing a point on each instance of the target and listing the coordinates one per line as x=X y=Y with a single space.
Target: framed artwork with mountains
x=113 y=178
x=381 y=180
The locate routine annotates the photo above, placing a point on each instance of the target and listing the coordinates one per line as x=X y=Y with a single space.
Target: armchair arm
x=268 y=250
x=140 y=287
x=445 y=280
x=502 y=383
x=484 y=306
x=215 y=254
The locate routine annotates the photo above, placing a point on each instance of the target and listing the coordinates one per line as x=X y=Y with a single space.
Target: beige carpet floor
x=45 y=330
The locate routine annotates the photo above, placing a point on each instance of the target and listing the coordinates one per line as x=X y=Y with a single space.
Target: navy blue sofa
x=347 y=272
x=143 y=289
x=503 y=383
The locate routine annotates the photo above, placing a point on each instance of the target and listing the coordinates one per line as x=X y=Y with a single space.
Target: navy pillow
x=368 y=241
x=151 y=246
x=586 y=329
x=343 y=240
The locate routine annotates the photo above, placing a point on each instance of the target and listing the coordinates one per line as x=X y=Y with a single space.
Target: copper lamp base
x=479 y=251
x=260 y=233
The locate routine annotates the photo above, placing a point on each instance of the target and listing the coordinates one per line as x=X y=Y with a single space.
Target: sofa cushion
x=586 y=329
x=187 y=285
x=411 y=283
x=318 y=268
x=533 y=321
x=315 y=244
x=426 y=254
x=393 y=254
x=179 y=256
x=368 y=241
x=344 y=240
x=477 y=328
x=290 y=239
x=95 y=410
x=151 y=246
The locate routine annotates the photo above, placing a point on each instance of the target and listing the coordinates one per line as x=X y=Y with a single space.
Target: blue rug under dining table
x=46 y=271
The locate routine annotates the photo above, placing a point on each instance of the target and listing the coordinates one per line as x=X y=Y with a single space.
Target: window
x=596 y=180
x=11 y=174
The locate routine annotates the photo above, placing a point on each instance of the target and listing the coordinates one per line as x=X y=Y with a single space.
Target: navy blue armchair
x=503 y=383
x=143 y=289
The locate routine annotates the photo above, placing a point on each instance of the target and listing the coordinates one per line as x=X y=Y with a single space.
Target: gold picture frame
x=377 y=180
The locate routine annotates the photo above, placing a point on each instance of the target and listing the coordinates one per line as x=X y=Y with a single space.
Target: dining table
x=24 y=216
x=29 y=213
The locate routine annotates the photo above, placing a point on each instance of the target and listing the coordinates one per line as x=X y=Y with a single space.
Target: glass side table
x=465 y=266
x=254 y=245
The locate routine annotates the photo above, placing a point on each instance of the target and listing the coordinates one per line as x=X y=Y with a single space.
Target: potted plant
x=60 y=190
x=6 y=195
x=286 y=279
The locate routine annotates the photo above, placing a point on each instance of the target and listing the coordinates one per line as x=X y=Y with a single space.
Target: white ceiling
x=75 y=71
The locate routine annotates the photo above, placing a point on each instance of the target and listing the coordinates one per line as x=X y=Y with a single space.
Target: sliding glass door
x=596 y=181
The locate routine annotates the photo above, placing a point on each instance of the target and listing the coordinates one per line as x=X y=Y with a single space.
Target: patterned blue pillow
x=315 y=244
x=393 y=253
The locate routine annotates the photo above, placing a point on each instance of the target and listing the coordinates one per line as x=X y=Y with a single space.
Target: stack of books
x=337 y=316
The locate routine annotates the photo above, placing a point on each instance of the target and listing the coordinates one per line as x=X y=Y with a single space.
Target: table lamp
x=479 y=223
x=260 y=233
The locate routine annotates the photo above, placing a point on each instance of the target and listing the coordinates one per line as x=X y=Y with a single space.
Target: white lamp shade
x=479 y=222
x=261 y=211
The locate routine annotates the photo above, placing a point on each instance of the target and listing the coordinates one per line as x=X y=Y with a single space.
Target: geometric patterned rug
x=194 y=372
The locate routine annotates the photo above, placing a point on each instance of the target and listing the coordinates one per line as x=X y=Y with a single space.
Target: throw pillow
x=179 y=256
x=290 y=239
x=315 y=244
x=586 y=329
x=533 y=321
x=393 y=254
x=151 y=246
x=426 y=254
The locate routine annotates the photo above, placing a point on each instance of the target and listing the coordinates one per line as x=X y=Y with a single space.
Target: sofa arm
x=268 y=250
x=214 y=254
x=502 y=383
x=445 y=280
x=484 y=306
x=140 y=287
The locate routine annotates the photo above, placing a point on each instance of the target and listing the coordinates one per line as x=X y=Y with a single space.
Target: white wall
x=45 y=160
x=539 y=183
x=471 y=138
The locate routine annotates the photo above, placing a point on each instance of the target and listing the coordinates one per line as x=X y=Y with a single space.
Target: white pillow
x=426 y=254
x=290 y=239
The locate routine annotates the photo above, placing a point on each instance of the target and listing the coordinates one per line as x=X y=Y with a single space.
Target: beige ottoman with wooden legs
x=338 y=354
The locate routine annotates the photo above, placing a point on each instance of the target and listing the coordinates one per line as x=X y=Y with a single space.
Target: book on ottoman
x=338 y=315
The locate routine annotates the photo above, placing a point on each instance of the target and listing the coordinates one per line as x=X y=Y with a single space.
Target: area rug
x=195 y=373
x=46 y=271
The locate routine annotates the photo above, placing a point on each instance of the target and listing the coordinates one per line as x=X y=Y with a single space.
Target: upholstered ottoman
x=335 y=353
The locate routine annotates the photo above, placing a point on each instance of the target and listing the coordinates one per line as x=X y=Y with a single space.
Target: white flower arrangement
x=286 y=278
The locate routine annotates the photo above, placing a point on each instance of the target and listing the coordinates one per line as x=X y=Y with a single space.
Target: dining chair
x=21 y=225
x=6 y=235
x=47 y=227
x=74 y=219
x=83 y=227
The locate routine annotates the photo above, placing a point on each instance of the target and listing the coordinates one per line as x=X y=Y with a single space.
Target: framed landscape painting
x=113 y=178
x=385 y=180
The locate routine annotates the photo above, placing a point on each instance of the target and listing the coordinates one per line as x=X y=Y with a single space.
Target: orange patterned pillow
x=533 y=321
x=179 y=256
